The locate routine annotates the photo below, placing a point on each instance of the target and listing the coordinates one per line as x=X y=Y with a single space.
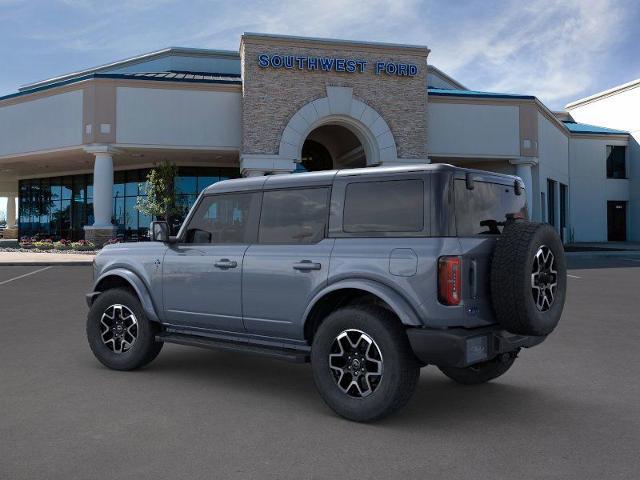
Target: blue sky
x=557 y=50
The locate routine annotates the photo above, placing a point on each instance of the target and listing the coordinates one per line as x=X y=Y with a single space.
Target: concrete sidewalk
x=44 y=259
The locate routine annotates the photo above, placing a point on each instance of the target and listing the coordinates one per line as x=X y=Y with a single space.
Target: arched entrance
x=332 y=146
x=337 y=130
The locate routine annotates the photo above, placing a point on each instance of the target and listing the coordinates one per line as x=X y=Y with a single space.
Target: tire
x=482 y=372
x=525 y=304
x=113 y=351
x=382 y=336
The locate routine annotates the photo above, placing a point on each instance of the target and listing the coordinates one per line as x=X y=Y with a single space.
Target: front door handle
x=226 y=263
x=306 y=265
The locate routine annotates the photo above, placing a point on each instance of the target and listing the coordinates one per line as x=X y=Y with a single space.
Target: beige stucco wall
x=50 y=122
x=272 y=96
x=178 y=117
x=460 y=129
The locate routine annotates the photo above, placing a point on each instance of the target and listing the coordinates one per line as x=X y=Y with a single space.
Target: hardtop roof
x=326 y=177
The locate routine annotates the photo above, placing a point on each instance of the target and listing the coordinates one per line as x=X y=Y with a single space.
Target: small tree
x=160 y=202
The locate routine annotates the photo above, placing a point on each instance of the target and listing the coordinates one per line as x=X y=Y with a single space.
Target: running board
x=286 y=354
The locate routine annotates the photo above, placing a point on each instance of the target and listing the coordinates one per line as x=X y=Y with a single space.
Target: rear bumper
x=461 y=347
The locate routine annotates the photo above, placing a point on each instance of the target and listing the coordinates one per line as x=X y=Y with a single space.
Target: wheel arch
x=122 y=278
x=350 y=292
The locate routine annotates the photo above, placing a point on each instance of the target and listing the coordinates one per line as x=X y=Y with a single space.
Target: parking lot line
x=573 y=276
x=25 y=275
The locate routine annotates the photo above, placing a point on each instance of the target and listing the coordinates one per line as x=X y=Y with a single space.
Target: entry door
x=202 y=274
x=290 y=262
x=617 y=221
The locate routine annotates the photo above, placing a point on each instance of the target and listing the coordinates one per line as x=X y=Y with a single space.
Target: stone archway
x=340 y=108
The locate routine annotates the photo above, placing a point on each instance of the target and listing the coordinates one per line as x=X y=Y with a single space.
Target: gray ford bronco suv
x=369 y=274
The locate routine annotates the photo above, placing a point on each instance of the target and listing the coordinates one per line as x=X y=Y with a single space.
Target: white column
x=102 y=189
x=252 y=173
x=523 y=170
x=11 y=212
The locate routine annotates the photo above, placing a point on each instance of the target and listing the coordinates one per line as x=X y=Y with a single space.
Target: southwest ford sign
x=334 y=64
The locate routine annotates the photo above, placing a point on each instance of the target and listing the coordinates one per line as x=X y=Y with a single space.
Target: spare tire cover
x=528 y=278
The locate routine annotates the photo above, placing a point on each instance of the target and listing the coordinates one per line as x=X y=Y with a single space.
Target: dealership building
x=75 y=149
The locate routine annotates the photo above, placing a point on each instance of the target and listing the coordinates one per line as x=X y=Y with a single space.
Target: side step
x=286 y=354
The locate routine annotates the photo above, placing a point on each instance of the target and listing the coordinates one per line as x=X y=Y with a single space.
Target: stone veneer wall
x=272 y=96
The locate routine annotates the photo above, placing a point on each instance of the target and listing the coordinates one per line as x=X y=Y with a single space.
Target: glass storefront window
x=59 y=207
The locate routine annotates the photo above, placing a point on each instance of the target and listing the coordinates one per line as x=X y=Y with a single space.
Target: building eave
x=448 y=78
x=117 y=76
x=132 y=61
x=605 y=93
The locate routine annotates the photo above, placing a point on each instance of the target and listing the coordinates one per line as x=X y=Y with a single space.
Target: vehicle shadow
x=436 y=403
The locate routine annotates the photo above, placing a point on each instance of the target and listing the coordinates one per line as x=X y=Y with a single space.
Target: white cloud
x=544 y=47
x=547 y=48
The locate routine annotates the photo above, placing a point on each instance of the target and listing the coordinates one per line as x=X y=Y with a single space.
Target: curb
x=45 y=264
x=602 y=253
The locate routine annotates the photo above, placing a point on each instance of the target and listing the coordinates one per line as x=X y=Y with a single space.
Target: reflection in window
x=223 y=219
x=59 y=207
x=295 y=216
x=484 y=210
x=616 y=163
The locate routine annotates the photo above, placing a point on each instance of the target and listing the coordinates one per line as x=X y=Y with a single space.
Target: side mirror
x=160 y=231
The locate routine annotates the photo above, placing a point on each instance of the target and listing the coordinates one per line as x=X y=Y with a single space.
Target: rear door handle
x=226 y=263
x=306 y=265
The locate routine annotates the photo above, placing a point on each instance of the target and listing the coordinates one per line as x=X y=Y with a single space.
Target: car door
x=290 y=262
x=202 y=272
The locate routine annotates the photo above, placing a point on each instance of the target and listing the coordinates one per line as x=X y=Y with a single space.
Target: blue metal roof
x=188 y=77
x=444 y=92
x=585 y=128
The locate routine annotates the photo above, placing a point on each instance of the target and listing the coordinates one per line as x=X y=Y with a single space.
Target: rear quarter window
x=484 y=210
x=384 y=206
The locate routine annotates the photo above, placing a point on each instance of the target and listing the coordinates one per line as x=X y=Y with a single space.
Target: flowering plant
x=83 y=245
x=26 y=242
x=45 y=244
x=62 y=244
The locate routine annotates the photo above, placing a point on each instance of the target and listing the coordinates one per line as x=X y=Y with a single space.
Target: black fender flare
x=138 y=286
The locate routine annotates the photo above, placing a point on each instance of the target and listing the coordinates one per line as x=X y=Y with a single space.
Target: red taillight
x=449 y=280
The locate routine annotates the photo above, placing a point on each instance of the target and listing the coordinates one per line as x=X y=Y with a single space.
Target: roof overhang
x=145 y=57
x=606 y=93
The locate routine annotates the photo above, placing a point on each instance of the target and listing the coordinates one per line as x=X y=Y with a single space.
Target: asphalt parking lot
x=569 y=408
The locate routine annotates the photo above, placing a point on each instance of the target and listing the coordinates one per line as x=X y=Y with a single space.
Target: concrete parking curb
x=607 y=253
x=45 y=264
x=32 y=259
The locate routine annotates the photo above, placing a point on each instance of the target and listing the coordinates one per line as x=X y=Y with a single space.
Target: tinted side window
x=294 y=216
x=390 y=206
x=483 y=210
x=224 y=219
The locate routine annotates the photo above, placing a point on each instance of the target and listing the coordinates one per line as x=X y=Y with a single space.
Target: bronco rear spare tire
x=528 y=278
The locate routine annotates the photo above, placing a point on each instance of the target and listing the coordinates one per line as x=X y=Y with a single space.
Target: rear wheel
x=119 y=333
x=362 y=363
x=481 y=372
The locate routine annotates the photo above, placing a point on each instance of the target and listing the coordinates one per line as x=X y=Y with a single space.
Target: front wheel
x=481 y=372
x=362 y=363
x=119 y=333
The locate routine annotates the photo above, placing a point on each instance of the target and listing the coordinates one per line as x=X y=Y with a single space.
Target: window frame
x=606 y=163
x=252 y=222
x=325 y=232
